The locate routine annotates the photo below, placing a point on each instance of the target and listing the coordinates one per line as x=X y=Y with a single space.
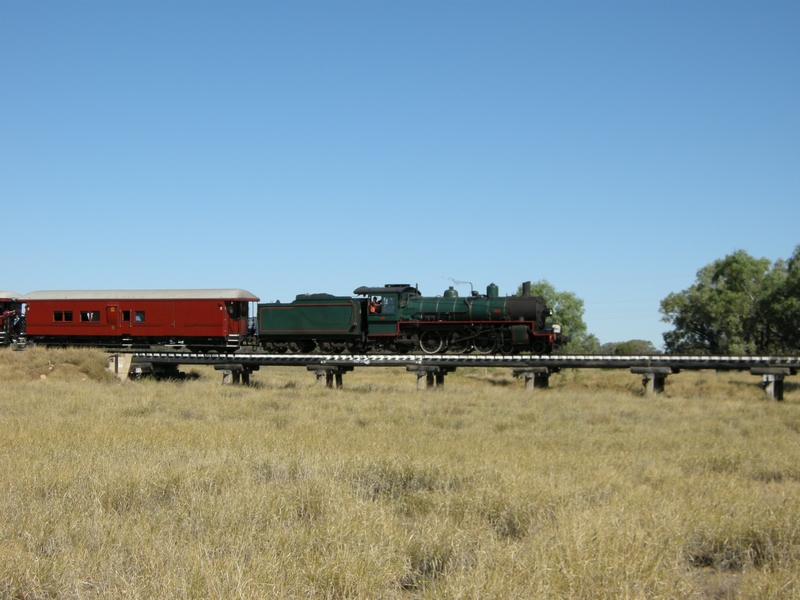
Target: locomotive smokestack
x=526 y=289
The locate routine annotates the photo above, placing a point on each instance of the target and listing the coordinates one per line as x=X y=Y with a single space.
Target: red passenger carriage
x=197 y=319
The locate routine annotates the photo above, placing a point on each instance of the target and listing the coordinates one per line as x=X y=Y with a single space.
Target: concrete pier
x=653 y=378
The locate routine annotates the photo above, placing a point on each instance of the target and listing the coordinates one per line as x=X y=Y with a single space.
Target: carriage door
x=112 y=319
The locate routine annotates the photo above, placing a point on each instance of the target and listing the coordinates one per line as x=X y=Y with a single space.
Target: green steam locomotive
x=396 y=318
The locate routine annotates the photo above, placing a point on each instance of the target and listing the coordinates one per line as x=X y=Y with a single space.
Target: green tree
x=737 y=305
x=780 y=307
x=567 y=312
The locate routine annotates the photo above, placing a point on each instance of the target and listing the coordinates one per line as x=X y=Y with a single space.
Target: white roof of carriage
x=220 y=294
x=9 y=295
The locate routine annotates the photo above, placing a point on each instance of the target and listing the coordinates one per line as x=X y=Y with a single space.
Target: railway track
x=555 y=361
x=431 y=369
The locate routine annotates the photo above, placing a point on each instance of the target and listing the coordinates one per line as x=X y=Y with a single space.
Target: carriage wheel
x=431 y=342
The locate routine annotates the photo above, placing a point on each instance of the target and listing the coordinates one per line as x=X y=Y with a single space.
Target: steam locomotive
x=393 y=318
x=397 y=318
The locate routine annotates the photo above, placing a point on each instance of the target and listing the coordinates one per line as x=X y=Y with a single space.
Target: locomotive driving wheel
x=431 y=342
x=506 y=344
x=458 y=342
x=485 y=342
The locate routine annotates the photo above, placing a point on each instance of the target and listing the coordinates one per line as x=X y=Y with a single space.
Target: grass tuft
x=392 y=480
x=748 y=550
x=70 y=364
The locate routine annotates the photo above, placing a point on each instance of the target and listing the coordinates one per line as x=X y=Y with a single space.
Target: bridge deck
x=553 y=362
x=431 y=369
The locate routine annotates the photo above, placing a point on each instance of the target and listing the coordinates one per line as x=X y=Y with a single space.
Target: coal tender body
x=331 y=323
x=397 y=318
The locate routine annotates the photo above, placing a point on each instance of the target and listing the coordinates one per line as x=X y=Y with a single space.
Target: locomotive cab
x=383 y=307
x=382 y=314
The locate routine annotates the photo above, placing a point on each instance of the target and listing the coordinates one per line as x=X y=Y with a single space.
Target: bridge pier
x=772 y=381
x=329 y=376
x=653 y=378
x=430 y=375
x=235 y=374
x=120 y=365
x=535 y=377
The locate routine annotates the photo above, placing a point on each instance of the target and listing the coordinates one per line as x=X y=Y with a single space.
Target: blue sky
x=612 y=148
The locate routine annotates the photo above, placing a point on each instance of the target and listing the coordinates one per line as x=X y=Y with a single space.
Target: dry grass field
x=283 y=489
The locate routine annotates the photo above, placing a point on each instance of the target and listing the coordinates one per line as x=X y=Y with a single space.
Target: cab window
x=387 y=306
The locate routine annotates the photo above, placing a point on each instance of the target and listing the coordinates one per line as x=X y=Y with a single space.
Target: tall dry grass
x=587 y=490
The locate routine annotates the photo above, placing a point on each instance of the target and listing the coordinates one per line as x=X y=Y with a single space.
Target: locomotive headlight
x=556 y=328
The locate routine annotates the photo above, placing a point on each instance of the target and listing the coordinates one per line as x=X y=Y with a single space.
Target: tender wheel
x=302 y=347
x=431 y=342
x=458 y=342
x=485 y=342
x=354 y=348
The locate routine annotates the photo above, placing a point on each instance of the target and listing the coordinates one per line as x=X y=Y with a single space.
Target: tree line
x=737 y=305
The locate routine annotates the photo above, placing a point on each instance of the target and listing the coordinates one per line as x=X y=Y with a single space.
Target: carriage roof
x=212 y=294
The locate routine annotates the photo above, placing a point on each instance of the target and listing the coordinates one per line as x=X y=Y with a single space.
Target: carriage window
x=388 y=305
x=58 y=315
x=126 y=316
x=90 y=316
x=138 y=316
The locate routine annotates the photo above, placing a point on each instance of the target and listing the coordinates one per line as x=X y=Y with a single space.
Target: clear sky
x=612 y=148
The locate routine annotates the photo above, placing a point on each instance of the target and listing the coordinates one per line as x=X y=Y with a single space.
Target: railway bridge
x=431 y=370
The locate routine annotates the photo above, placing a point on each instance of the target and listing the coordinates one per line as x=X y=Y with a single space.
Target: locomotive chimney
x=526 y=289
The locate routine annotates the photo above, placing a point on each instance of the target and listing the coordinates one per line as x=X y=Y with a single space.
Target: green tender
x=318 y=315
